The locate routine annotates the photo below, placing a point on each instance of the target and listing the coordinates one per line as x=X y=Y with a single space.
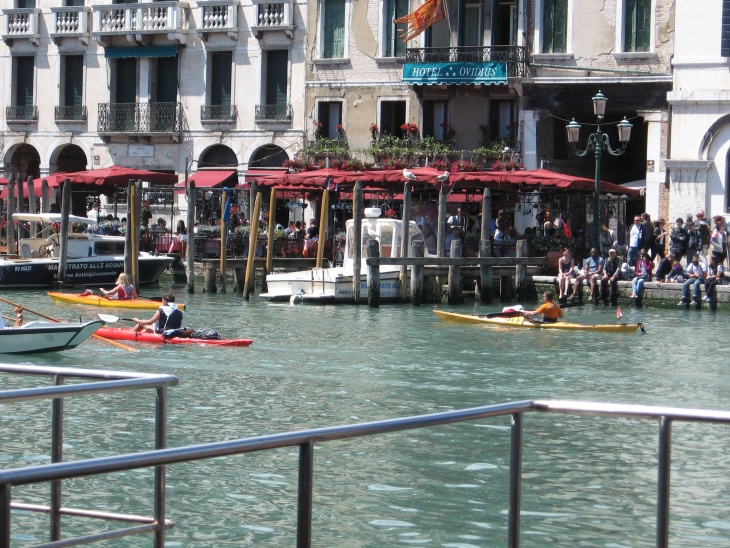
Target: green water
x=587 y=481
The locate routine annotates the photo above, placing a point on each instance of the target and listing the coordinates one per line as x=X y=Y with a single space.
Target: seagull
x=443 y=177
x=409 y=175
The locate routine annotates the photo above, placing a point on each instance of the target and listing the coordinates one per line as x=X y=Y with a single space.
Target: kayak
x=519 y=321
x=100 y=300
x=127 y=334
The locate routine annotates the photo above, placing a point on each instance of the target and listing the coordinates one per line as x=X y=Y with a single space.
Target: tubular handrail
x=306 y=439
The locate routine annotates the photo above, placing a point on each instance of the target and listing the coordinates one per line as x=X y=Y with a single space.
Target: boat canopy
x=49 y=218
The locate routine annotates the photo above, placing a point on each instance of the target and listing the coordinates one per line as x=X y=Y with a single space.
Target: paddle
x=512 y=314
x=108 y=318
x=99 y=337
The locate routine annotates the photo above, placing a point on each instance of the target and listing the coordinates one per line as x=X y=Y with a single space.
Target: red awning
x=212 y=178
x=256 y=172
x=37 y=183
x=114 y=175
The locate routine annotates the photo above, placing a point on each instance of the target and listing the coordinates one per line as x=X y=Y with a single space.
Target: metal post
x=663 y=473
x=190 y=249
x=357 y=213
x=304 y=504
x=405 y=241
x=597 y=196
x=56 y=456
x=5 y=498
x=160 y=443
x=515 y=481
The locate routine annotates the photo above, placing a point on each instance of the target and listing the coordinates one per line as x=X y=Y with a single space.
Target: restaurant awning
x=140 y=52
x=212 y=178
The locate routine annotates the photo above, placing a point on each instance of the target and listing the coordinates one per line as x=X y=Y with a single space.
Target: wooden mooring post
x=417 y=250
x=373 y=251
x=209 y=275
x=455 y=273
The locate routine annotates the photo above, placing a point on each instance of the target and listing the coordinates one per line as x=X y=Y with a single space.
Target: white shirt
x=634 y=234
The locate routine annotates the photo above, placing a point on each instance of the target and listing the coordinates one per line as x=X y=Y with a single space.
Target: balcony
x=218 y=113
x=273 y=16
x=218 y=16
x=70 y=114
x=21 y=115
x=141 y=21
x=512 y=57
x=21 y=24
x=140 y=119
x=274 y=113
x=70 y=22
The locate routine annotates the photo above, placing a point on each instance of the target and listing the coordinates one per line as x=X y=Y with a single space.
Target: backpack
x=206 y=334
x=567 y=231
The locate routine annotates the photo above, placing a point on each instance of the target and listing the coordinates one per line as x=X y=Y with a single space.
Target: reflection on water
x=586 y=481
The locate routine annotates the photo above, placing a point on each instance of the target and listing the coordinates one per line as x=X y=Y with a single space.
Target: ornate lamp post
x=598 y=142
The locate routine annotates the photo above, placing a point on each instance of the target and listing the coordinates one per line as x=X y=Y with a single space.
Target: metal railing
x=70 y=114
x=513 y=56
x=140 y=118
x=218 y=113
x=104 y=382
x=306 y=439
x=27 y=113
x=278 y=112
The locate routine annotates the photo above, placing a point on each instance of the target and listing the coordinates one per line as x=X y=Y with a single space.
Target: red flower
x=317 y=123
x=373 y=127
x=339 y=127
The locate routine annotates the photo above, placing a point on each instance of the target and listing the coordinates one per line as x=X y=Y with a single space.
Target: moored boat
x=516 y=320
x=127 y=334
x=37 y=337
x=100 y=300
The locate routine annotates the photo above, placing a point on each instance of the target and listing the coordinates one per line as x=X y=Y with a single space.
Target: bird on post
x=443 y=177
x=409 y=175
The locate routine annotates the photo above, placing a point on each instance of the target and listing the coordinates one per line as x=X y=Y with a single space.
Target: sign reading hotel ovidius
x=455 y=73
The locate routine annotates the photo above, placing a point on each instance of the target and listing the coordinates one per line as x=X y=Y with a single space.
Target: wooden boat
x=519 y=321
x=37 y=337
x=100 y=300
x=127 y=334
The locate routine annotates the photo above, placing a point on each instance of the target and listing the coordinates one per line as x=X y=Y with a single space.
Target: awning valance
x=142 y=51
x=209 y=179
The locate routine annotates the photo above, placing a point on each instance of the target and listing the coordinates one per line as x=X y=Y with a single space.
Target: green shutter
x=277 y=70
x=725 y=36
x=637 y=25
x=24 y=71
x=126 y=85
x=73 y=84
x=25 y=4
x=555 y=26
x=74 y=3
x=394 y=46
x=220 y=78
x=334 y=29
x=166 y=80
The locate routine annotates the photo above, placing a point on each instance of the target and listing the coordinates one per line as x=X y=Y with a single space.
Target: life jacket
x=170 y=318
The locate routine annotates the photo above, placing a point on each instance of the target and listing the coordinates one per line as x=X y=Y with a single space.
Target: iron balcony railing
x=70 y=114
x=140 y=118
x=218 y=113
x=279 y=112
x=21 y=114
x=513 y=56
x=305 y=440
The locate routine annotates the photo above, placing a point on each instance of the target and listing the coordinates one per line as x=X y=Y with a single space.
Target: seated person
x=715 y=276
x=123 y=290
x=549 y=311
x=592 y=272
x=694 y=274
x=610 y=277
x=168 y=316
x=664 y=268
x=644 y=269
x=566 y=264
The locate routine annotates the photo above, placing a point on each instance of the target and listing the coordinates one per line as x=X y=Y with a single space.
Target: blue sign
x=455 y=73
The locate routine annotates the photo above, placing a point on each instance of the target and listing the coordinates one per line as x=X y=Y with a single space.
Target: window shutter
x=394 y=46
x=725 y=37
x=24 y=69
x=166 y=88
x=277 y=69
x=220 y=79
x=73 y=85
x=334 y=29
x=126 y=86
x=555 y=26
x=643 y=25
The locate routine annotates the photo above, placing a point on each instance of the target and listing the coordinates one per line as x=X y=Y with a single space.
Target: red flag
x=618 y=313
x=430 y=12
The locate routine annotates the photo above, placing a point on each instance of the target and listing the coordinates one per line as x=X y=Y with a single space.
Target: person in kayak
x=123 y=290
x=549 y=311
x=168 y=316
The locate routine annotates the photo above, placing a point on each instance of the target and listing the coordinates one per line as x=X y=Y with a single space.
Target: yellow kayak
x=519 y=321
x=99 y=300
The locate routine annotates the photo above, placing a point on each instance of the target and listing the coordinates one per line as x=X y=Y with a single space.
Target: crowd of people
x=698 y=251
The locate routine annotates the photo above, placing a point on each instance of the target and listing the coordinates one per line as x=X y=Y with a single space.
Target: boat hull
x=96 y=270
x=519 y=321
x=327 y=285
x=38 y=337
x=126 y=334
x=98 y=300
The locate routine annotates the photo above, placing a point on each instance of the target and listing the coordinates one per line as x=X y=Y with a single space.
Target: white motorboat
x=37 y=337
x=93 y=259
x=333 y=285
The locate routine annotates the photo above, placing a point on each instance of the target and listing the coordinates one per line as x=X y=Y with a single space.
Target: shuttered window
x=74 y=3
x=555 y=26
x=394 y=46
x=73 y=80
x=126 y=81
x=24 y=71
x=220 y=78
x=166 y=85
x=637 y=25
x=471 y=24
x=725 y=38
x=277 y=69
x=334 y=29
x=25 y=4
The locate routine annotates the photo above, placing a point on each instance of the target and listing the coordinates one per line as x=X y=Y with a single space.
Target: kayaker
x=168 y=316
x=18 y=318
x=123 y=290
x=549 y=310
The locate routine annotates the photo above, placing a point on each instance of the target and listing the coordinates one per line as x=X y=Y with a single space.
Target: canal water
x=587 y=481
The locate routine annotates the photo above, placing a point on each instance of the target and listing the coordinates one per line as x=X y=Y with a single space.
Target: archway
x=24 y=160
x=218 y=156
x=268 y=156
x=70 y=159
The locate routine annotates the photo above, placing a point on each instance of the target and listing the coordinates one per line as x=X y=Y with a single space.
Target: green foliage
x=543 y=244
x=490 y=148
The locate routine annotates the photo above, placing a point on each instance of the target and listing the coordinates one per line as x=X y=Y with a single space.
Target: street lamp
x=598 y=141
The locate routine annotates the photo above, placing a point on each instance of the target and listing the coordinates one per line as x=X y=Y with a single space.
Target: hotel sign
x=455 y=73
